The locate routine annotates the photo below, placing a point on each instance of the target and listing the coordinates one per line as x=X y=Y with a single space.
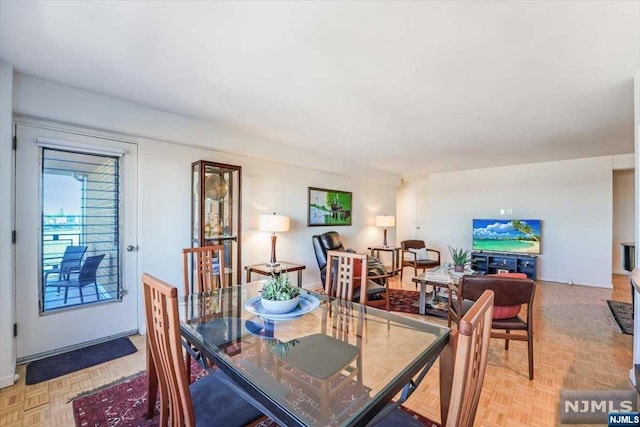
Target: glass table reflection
x=339 y=364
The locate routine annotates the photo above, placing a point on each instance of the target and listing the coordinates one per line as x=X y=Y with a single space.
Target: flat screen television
x=507 y=235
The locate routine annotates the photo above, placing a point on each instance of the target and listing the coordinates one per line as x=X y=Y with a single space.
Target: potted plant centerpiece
x=460 y=257
x=278 y=295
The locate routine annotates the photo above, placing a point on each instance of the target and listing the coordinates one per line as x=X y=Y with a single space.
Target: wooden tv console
x=491 y=262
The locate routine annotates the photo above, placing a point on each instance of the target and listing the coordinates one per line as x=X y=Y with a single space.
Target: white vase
x=279 y=307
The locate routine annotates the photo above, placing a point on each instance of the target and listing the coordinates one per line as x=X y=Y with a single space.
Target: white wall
x=573 y=199
x=7 y=291
x=623 y=214
x=43 y=99
x=266 y=187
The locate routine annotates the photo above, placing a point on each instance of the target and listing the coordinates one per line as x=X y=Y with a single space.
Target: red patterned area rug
x=408 y=302
x=124 y=405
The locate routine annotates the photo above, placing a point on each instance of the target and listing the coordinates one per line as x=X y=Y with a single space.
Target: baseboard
x=564 y=282
x=312 y=286
x=7 y=381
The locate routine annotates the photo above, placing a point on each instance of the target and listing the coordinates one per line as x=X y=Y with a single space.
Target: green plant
x=459 y=256
x=278 y=288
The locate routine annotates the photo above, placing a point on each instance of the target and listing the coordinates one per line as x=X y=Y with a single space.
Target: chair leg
x=506 y=341
x=81 y=297
x=187 y=363
x=97 y=293
x=66 y=292
x=530 y=348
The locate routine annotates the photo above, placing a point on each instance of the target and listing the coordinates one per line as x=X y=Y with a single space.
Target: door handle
x=132 y=248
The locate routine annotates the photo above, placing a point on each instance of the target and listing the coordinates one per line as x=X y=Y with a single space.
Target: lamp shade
x=273 y=223
x=385 y=221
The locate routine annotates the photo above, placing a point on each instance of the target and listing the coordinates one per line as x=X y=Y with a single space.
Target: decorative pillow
x=508 y=311
x=421 y=254
x=512 y=275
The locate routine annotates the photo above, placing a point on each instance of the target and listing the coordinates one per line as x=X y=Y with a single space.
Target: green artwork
x=329 y=207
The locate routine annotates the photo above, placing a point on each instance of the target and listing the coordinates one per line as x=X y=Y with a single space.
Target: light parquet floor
x=576 y=348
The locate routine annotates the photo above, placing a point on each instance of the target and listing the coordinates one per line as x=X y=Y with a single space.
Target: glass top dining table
x=330 y=363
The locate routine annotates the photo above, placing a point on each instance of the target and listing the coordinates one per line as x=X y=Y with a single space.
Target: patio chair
x=86 y=277
x=71 y=260
x=209 y=401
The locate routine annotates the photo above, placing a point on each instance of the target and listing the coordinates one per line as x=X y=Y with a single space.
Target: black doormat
x=66 y=363
x=623 y=313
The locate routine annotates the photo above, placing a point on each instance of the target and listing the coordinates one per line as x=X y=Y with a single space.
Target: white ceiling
x=408 y=87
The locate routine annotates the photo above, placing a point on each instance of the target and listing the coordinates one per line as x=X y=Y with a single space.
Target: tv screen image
x=507 y=235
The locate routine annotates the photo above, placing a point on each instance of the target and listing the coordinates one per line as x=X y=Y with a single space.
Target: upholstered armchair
x=510 y=294
x=415 y=254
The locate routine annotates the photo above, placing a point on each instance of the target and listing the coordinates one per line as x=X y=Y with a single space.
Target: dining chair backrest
x=163 y=337
x=89 y=269
x=463 y=364
x=206 y=269
x=347 y=272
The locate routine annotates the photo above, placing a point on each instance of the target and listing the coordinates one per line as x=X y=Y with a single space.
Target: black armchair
x=331 y=241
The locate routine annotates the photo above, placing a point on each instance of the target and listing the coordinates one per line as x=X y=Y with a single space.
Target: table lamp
x=274 y=224
x=385 y=221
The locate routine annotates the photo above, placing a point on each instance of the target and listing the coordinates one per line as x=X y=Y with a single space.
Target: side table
x=395 y=256
x=283 y=267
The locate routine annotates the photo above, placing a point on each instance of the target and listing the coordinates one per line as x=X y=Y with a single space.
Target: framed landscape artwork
x=328 y=207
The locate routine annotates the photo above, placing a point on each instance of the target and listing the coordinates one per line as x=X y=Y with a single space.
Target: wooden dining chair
x=462 y=366
x=510 y=294
x=203 y=269
x=332 y=358
x=209 y=401
x=463 y=363
x=349 y=273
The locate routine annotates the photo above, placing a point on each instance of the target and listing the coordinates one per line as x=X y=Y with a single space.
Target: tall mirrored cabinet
x=216 y=211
